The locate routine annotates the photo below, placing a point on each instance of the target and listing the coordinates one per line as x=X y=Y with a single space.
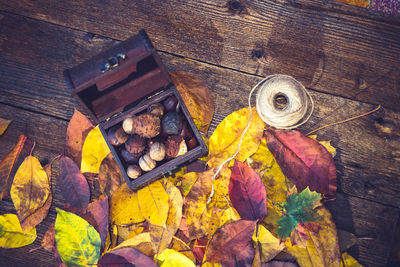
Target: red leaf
x=10 y=163
x=303 y=160
x=277 y=263
x=99 y=211
x=126 y=257
x=247 y=192
x=199 y=248
x=73 y=184
x=231 y=244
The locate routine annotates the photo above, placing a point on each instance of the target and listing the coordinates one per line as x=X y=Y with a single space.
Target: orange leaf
x=110 y=177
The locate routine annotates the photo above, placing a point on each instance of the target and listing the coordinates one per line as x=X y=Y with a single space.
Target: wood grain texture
x=330 y=51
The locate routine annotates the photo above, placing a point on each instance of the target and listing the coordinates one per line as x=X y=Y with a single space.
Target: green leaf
x=78 y=243
x=11 y=234
x=299 y=209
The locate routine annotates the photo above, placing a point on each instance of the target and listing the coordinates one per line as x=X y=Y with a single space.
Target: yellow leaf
x=268 y=245
x=361 y=3
x=224 y=142
x=141 y=242
x=172 y=258
x=209 y=264
x=181 y=247
x=326 y=144
x=349 y=261
x=153 y=203
x=188 y=181
x=11 y=234
x=124 y=207
x=94 y=150
x=30 y=190
x=3 y=125
x=229 y=215
x=322 y=247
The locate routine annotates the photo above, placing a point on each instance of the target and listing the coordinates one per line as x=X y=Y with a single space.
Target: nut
x=192 y=143
x=127 y=125
x=170 y=103
x=128 y=157
x=156 y=109
x=133 y=171
x=116 y=136
x=146 y=163
x=135 y=145
x=175 y=146
x=172 y=123
x=147 y=125
x=186 y=131
x=157 y=151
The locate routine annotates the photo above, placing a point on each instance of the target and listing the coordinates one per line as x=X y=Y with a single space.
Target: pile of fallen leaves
x=262 y=209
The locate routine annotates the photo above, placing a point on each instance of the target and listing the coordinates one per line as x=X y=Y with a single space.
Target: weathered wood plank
x=339 y=53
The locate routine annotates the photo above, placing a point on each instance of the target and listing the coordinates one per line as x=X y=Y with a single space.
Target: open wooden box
x=124 y=81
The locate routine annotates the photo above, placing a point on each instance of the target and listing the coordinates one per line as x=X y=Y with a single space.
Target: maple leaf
x=299 y=209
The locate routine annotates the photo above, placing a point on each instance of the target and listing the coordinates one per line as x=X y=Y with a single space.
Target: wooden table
x=347 y=56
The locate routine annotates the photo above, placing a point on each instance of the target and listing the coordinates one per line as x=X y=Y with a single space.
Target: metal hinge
x=112 y=62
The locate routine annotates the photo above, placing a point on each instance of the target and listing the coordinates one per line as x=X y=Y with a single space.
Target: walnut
x=147 y=125
x=157 y=151
x=175 y=146
x=156 y=109
x=146 y=163
x=135 y=145
x=133 y=171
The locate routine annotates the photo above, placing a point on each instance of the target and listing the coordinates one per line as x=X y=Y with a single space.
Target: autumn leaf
x=11 y=234
x=124 y=207
x=11 y=161
x=126 y=257
x=277 y=263
x=98 y=210
x=229 y=215
x=94 y=150
x=268 y=245
x=349 y=261
x=141 y=242
x=326 y=144
x=231 y=244
x=247 y=192
x=222 y=145
x=172 y=258
x=299 y=208
x=78 y=128
x=303 y=160
x=73 y=185
x=3 y=125
x=77 y=242
x=39 y=215
x=188 y=180
x=30 y=190
x=49 y=239
x=180 y=246
x=110 y=177
x=197 y=98
x=153 y=203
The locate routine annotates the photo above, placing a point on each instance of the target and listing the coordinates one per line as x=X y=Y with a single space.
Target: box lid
x=118 y=78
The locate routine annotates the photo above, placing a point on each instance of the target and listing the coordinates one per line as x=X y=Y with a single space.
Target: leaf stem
x=33 y=147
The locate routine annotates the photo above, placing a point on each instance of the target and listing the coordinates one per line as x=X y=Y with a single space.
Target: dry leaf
x=78 y=128
x=229 y=215
x=3 y=125
x=48 y=241
x=11 y=234
x=98 y=210
x=268 y=245
x=141 y=242
x=11 y=161
x=180 y=246
x=188 y=180
x=153 y=203
x=94 y=150
x=326 y=144
x=124 y=207
x=196 y=97
x=30 y=190
x=126 y=257
x=172 y=258
x=349 y=261
x=224 y=142
x=110 y=177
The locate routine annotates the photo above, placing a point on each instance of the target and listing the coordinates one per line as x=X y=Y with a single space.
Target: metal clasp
x=112 y=62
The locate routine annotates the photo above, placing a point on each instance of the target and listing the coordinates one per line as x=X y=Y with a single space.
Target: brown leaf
x=197 y=98
x=110 y=177
x=10 y=163
x=73 y=185
x=231 y=244
x=48 y=241
x=126 y=257
x=78 y=128
x=98 y=209
x=303 y=160
x=3 y=125
x=38 y=216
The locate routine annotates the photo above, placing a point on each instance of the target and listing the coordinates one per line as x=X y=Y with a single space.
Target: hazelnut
x=135 y=145
x=146 y=163
x=133 y=171
x=127 y=125
x=157 y=151
x=170 y=103
x=175 y=146
x=186 y=131
x=147 y=125
x=116 y=136
x=172 y=123
x=156 y=109
x=128 y=158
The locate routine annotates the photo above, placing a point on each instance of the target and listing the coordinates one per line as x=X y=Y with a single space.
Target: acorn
x=156 y=109
x=117 y=136
x=133 y=171
x=127 y=124
x=135 y=145
x=128 y=158
x=172 y=123
x=146 y=163
x=147 y=125
x=170 y=103
x=175 y=146
x=157 y=151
